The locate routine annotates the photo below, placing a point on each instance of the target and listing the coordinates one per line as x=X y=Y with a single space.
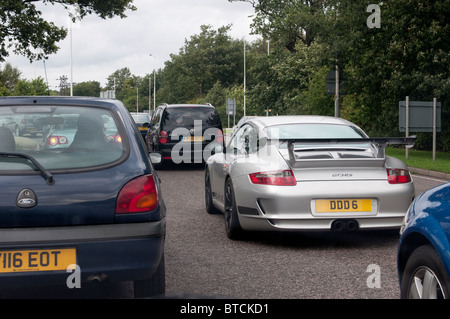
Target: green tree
x=117 y=79
x=31 y=87
x=205 y=58
x=27 y=33
x=409 y=55
x=90 y=88
x=288 y=22
x=9 y=76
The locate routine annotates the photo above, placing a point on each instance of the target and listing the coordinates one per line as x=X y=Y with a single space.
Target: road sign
x=231 y=106
x=331 y=82
x=109 y=94
x=420 y=116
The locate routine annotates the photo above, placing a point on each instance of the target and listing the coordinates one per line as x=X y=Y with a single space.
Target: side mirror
x=155 y=157
x=262 y=142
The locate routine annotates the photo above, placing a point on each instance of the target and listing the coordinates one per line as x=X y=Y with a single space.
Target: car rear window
x=59 y=137
x=299 y=131
x=141 y=118
x=185 y=116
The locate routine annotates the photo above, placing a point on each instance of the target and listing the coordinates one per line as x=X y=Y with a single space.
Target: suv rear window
x=58 y=137
x=185 y=116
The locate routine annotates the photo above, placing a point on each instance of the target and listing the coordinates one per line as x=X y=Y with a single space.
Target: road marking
x=430 y=179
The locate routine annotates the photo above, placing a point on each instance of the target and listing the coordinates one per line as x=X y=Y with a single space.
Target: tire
x=155 y=286
x=424 y=269
x=232 y=226
x=210 y=208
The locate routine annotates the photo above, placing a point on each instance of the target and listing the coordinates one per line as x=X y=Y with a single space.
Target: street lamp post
x=154 y=85
x=137 y=99
x=245 y=80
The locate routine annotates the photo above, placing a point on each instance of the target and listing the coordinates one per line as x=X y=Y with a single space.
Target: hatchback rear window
x=185 y=116
x=59 y=137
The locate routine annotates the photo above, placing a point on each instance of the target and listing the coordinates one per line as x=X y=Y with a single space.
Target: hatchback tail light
x=281 y=178
x=163 y=137
x=57 y=140
x=138 y=195
x=398 y=176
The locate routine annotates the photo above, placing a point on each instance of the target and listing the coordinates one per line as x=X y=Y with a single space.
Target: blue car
x=92 y=210
x=424 y=248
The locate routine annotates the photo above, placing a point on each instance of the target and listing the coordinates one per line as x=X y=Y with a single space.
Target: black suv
x=185 y=133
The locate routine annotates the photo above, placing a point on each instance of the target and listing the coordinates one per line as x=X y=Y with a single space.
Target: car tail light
x=219 y=136
x=398 y=176
x=56 y=140
x=116 y=138
x=281 y=178
x=163 y=137
x=138 y=195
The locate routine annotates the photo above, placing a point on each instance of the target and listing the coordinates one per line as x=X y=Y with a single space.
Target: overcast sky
x=157 y=27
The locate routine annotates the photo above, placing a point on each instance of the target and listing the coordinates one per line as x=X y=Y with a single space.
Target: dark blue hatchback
x=84 y=198
x=424 y=247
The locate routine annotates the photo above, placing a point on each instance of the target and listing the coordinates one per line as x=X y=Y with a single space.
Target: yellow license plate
x=343 y=205
x=192 y=139
x=142 y=128
x=37 y=260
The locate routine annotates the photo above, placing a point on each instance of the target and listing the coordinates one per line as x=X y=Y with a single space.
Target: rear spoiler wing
x=380 y=142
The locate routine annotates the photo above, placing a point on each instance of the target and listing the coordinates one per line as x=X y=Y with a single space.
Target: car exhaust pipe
x=338 y=225
x=345 y=225
x=352 y=225
x=96 y=279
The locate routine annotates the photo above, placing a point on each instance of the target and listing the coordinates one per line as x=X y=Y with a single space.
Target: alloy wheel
x=425 y=285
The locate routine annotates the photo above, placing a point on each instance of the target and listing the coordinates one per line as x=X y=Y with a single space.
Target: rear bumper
x=117 y=252
x=265 y=208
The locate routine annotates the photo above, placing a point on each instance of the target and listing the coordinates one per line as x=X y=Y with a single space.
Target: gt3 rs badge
x=26 y=198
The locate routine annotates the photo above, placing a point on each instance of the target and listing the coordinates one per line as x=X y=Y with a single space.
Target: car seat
x=7 y=141
x=90 y=134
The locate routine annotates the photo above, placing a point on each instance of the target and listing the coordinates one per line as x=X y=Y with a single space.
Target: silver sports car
x=307 y=173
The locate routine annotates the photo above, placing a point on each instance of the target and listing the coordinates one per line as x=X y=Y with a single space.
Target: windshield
x=141 y=118
x=185 y=116
x=58 y=137
x=299 y=131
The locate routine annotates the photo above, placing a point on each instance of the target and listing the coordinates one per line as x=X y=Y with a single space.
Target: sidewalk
x=425 y=172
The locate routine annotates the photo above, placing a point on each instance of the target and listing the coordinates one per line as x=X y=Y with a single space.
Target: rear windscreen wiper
x=48 y=176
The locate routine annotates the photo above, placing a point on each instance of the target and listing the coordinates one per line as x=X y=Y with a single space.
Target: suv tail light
x=398 y=176
x=138 y=195
x=163 y=137
x=281 y=178
x=219 y=136
x=116 y=138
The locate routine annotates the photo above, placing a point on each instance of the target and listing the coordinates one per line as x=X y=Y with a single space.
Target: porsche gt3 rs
x=307 y=173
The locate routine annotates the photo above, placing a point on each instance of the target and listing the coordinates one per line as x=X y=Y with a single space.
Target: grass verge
x=422 y=159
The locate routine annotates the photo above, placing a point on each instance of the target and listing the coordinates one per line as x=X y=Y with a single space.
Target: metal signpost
x=420 y=116
x=335 y=86
x=231 y=110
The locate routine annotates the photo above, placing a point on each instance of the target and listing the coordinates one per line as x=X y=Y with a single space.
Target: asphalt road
x=202 y=262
